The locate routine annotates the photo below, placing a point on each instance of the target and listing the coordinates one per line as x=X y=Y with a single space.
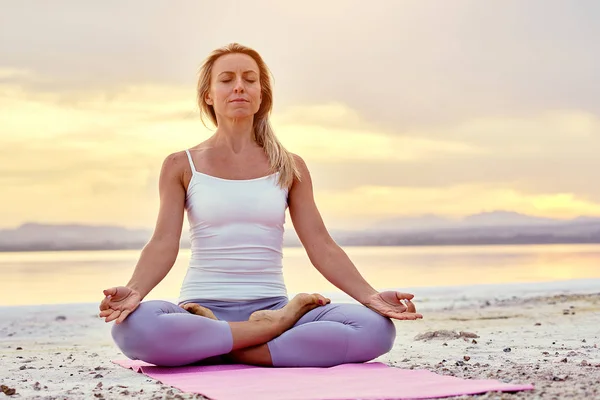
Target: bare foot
x=284 y=318
x=199 y=310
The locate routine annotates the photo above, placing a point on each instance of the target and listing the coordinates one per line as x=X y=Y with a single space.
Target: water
x=437 y=275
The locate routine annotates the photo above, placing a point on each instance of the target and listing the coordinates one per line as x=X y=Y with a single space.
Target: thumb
x=110 y=292
x=404 y=296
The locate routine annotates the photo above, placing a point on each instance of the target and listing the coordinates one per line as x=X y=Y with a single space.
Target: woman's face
x=235 y=86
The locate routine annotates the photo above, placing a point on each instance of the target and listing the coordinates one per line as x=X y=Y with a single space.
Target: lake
x=79 y=276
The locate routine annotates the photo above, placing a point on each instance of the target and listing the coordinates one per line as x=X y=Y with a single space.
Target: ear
x=208 y=100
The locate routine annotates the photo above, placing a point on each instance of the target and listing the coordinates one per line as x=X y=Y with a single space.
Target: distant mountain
x=33 y=236
x=497 y=227
x=430 y=222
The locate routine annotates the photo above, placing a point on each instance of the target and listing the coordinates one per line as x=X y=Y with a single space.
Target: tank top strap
x=189 y=156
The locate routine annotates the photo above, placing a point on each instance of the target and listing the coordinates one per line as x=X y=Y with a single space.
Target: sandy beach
x=64 y=352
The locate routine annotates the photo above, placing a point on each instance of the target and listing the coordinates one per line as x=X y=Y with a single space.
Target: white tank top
x=236 y=232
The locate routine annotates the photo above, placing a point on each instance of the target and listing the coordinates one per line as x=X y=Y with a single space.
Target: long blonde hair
x=280 y=160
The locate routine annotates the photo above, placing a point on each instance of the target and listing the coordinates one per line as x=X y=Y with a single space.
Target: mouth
x=239 y=101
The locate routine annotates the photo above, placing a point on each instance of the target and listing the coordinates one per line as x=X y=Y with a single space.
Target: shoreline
x=552 y=241
x=65 y=350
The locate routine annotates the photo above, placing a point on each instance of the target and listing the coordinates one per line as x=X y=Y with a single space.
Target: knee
x=375 y=336
x=381 y=332
x=134 y=335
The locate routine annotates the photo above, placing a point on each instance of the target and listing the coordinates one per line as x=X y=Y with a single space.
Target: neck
x=235 y=134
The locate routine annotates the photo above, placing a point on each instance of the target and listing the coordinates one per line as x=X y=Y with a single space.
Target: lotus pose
x=233 y=305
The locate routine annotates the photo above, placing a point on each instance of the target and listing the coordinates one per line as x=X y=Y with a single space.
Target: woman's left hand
x=393 y=305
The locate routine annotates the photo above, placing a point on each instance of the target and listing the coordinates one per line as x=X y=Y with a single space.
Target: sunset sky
x=400 y=108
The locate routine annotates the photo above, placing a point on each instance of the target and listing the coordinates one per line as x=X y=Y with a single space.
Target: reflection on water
x=75 y=277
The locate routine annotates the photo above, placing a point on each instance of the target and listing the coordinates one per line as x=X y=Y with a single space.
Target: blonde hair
x=280 y=160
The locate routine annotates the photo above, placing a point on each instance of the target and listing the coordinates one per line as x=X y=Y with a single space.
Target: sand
x=64 y=352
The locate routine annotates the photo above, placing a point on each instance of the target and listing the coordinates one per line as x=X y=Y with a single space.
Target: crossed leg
x=163 y=333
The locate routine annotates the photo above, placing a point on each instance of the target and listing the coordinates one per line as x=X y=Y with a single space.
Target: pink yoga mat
x=372 y=380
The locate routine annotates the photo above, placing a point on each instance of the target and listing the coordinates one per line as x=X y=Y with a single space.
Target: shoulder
x=300 y=164
x=176 y=165
x=177 y=160
x=302 y=179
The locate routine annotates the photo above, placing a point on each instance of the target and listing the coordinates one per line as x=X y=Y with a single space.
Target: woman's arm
x=159 y=254
x=324 y=253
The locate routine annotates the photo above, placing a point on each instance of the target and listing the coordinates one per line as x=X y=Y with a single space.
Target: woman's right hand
x=119 y=303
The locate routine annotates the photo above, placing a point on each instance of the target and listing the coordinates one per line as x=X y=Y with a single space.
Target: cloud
x=333 y=133
x=403 y=64
x=366 y=204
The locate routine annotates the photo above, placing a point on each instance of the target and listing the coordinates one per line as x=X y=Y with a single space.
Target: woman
x=233 y=305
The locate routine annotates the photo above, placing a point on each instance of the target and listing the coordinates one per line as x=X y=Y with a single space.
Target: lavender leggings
x=162 y=333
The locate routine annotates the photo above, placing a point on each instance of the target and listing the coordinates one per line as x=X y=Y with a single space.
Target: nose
x=239 y=86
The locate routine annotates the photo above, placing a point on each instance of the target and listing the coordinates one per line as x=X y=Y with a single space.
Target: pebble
x=507 y=350
x=466 y=358
x=584 y=363
x=60 y=318
x=538 y=324
x=7 y=391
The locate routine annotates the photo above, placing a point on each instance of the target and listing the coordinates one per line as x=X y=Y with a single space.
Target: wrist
x=365 y=297
x=136 y=288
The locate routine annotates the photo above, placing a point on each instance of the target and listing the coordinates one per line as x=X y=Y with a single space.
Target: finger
x=115 y=314
x=122 y=317
x=105 y=303
x=405 y=316
x=110 y=292
x=106 y=313
x=410 y=307
x=404 y=296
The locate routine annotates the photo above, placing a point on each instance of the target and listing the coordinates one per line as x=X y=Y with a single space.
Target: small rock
x=559 y=378
x=583 y=341
x=60 y=318
x=460 y=363
x=584 y=363
x=445 y=344
x=538 y=324
x=7 y=391
x=545 y=353
x=36 y=386
x=98 y=376
x=507 y=350
x=466 y=358
x=474 y=341
x=22 y=367
x=19 y=348
x=564 y=360
x=406 y=360
x=99 y=385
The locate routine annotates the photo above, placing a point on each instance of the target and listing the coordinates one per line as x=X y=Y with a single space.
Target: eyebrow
x=245 y=72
